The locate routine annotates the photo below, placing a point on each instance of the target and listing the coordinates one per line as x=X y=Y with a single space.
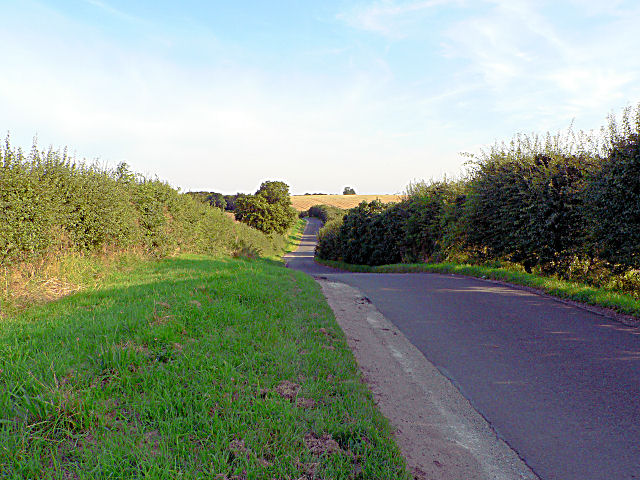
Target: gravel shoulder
x=440 y=434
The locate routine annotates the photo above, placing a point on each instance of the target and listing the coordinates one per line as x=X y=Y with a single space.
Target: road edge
x=440 y=434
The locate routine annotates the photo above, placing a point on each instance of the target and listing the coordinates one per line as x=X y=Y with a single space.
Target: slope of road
x=559 y=384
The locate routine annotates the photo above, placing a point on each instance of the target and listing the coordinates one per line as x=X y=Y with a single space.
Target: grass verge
x=600 y=297
x=295 y=237
x=62 y=273
x=192 y=367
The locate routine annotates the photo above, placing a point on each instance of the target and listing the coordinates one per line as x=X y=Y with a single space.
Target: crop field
x=303 y=202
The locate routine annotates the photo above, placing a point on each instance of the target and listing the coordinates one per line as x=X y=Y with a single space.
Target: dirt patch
x=239 y=449
x=440 y=435
x=287 y=389
x=321 y=445
x=151 y=440
x=305 y=403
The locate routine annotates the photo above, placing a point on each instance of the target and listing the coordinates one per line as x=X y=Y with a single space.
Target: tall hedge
x=560 y=204
x=326 y=213
x=531 y=209
x=49 y=202
x=614 y=205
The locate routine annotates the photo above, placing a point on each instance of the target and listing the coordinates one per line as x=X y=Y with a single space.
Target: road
x=559 y=384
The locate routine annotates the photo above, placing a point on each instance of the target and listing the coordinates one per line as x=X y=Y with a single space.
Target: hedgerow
x=326 y=213
x=565 y=205
x=51 y=203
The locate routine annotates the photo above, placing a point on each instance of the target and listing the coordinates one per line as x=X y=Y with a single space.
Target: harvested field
x=303 y=202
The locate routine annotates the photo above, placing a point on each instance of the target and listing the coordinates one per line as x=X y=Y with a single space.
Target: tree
x=269 y=210
x=275 y=192
x=217 y=200
x=348 y=191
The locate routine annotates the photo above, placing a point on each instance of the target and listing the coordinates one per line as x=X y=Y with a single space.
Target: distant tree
x=217 y=200
x=348 y=191
x=275 y=192
x=231 y=201
x=269 y=210
x=212 y=198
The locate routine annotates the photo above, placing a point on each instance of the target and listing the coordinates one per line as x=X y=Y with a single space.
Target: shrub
x=433 y=210
x=566 y=205
x=366 y=235
x=328 y=246
x=525 y=203
x=412 y=230
x=326 y=213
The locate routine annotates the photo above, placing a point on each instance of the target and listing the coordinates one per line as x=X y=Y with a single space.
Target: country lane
x=559 y=384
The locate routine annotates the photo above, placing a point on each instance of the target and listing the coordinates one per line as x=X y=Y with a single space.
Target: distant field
x=303 y=202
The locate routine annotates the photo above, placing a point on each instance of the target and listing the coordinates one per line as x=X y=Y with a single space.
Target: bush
x=366 y=235
x=526 y=204
x=563 y=205
x=326 y=213
x=433 y=211
x=328 y=246
x=412 y=230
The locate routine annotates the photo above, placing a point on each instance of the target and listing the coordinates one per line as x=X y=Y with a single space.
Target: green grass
x=172 y=369
x=295 y=236
x=602 y=297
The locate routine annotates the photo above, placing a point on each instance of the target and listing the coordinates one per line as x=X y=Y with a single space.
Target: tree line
x=268 y=210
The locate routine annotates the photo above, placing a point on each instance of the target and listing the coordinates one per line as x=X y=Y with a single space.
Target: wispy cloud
x=105 y=7
x=392 y=90
x=533 y=65
x=389 y=17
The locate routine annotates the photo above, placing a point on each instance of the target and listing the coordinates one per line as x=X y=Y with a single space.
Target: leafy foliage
x=367 y=235
x=567 y=205
x=614 y=200
x=269 y=210
x=411 y=230
x=348 y=191
x=326 y=213
x=49 y=203
x=530 y=210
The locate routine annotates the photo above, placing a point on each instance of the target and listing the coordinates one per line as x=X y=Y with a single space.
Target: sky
x=223 y=95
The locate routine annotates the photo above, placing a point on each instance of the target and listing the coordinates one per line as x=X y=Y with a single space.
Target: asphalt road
x=559 y=384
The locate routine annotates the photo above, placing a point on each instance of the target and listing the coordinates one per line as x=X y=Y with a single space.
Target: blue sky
x=213 y=95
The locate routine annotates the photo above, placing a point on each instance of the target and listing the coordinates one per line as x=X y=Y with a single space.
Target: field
x=303 y=202
x=190 y=367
